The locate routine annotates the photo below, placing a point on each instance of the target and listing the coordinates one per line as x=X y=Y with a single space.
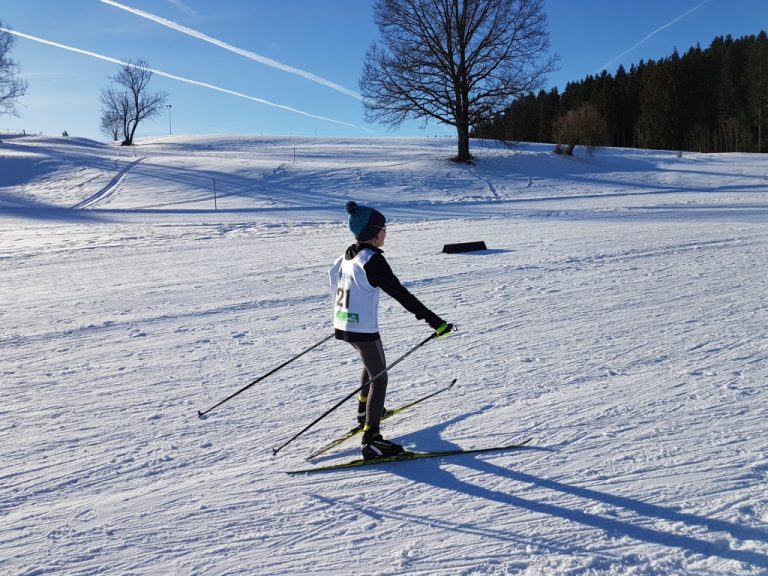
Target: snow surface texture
x=619 y=317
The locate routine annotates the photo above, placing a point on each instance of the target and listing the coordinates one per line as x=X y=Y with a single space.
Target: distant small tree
x=11 y=87
x=115 y=113
x=111 y=125
x=582 y=126
x=130 y=102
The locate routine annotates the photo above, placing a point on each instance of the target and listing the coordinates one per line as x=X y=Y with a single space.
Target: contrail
x=248 y=54
x=659 y=29
x=183 y=7
x=179 y=78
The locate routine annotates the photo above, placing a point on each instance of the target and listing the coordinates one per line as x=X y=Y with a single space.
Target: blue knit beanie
x=364 y=221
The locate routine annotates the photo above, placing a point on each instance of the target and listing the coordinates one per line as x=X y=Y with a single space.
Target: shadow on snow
x=431 y=472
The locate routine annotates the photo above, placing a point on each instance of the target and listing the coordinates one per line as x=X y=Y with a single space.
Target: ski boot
x=374 y=446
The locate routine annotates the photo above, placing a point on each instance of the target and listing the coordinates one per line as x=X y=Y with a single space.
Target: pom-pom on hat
x=364 y=221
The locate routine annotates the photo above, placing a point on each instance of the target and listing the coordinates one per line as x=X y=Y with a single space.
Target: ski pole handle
x=445 y=329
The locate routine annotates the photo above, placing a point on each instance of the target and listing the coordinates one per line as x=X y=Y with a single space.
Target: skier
x=357 y=279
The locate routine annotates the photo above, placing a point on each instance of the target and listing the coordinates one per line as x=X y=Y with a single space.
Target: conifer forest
x=707 y=100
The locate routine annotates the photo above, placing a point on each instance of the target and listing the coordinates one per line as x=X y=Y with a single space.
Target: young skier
x=357 y=279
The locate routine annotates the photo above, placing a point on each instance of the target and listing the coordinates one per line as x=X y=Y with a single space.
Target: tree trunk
x=463 y=156
x=126 y=132
x=134 y=125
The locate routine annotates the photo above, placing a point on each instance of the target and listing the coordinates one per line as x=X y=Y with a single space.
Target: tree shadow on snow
x=19 y=207
x=431 y=472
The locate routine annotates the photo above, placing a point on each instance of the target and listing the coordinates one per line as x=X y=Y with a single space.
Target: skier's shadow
x=434 y=473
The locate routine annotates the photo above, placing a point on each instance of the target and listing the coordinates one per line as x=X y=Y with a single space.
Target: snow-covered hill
x=619 y=317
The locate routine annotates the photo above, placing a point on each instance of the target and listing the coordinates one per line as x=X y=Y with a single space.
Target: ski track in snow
x=619 y=317
x=109 y=189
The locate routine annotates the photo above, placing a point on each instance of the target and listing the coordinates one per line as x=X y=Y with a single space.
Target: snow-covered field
x=619 y=318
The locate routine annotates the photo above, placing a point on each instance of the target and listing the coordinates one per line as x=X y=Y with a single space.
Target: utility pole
x=170 y=131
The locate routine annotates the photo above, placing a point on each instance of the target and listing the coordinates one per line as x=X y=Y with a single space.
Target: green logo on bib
x=347 y=316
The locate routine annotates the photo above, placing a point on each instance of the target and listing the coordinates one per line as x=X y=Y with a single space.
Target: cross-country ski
x=408 y=455
x=357 y=430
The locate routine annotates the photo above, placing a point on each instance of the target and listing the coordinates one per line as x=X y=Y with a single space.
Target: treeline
x=710 y=100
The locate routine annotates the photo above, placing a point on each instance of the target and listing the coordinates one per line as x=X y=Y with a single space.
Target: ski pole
x=260 y=378
x=387 y=369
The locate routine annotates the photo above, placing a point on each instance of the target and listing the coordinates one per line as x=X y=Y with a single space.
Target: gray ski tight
x=372 y=354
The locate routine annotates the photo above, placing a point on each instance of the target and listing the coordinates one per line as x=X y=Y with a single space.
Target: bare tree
x=581 y=126
x=111 y=125
x=454 y=61
x=11 y=87
x=132 y=101
x=116 y=113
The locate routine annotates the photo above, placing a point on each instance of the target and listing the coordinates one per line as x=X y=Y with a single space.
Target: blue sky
x=302 y=56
